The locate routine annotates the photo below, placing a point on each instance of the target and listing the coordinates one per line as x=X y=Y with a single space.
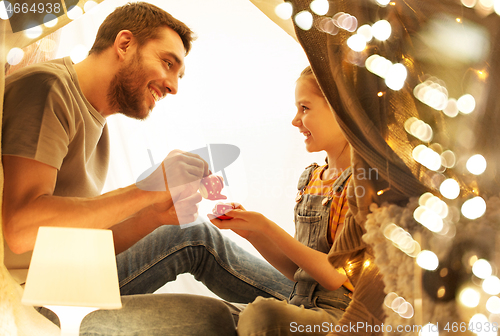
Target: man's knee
x=200 y=232
x=263 y=316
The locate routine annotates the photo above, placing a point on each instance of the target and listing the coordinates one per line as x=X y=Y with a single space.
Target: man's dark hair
x=143 y=20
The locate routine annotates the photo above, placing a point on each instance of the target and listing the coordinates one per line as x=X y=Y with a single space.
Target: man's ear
x=123 y=41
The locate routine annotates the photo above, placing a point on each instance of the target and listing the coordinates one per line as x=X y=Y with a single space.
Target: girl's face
x=315 y=119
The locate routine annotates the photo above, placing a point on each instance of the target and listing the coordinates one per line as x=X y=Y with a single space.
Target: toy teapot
x=211 y=187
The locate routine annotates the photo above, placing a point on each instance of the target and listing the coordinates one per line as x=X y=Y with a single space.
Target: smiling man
x=146 y=73
x=55 y=153
x=55 y=141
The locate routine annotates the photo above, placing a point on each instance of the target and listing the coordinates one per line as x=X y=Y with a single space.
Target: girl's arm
x=283 y=251
x=273 y=254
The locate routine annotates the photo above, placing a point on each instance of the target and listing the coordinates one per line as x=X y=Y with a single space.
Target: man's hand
x=184 y=211
x=180 y=173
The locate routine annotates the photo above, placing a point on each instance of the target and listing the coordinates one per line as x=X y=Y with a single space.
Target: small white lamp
x=73 y=272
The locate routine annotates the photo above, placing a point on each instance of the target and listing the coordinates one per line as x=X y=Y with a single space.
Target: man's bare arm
x=29 y=203
x=131 y=230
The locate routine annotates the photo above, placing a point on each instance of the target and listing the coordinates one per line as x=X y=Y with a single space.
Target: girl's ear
x=123 y=42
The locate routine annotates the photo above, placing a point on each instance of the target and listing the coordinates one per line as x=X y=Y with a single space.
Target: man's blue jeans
x=225 y=268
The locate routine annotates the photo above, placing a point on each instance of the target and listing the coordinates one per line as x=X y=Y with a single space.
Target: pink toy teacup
x=220 y=210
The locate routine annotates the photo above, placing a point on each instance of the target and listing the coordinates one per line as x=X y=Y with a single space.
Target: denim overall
x=311 y=229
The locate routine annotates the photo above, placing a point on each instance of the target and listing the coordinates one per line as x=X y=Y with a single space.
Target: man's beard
x=126 y=93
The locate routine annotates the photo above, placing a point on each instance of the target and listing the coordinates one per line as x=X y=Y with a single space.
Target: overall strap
x=306 y=176
x=341 y=181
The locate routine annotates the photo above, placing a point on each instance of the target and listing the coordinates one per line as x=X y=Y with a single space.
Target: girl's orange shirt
x=338 y=205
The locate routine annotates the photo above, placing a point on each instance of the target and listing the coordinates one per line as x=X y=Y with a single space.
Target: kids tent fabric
x=373 y=116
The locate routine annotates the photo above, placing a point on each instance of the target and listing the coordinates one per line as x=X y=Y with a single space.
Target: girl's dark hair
x=143 y=20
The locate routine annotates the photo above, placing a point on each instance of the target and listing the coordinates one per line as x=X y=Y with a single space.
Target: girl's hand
x=243 y=223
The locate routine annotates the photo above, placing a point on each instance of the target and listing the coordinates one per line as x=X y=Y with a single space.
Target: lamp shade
x=73 y=267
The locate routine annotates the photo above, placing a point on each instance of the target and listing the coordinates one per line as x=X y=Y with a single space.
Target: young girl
x=321 y=293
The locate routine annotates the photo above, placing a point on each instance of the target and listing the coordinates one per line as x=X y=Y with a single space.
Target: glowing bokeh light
x=432 y=93
x=486 y=4
x=15 y=56
x=441 y=292
x=493 y=305
x=420 y=129
x=389 y=299
x=496 y=6
x=428 y=260
x=408 y=123
x=33 y=32
x=356 y=42
x=491 y=285
x=450 y=189
x=396 y=76
x=422 y=200
x=448 y=159
x=326 y=25
x=416 y=249
x=436 y=205
x=429 y=330
x=366 y=32
x=469 y=3
x=482 y=269
x=402 y=239
x=75 y=12
x=320 y=7
x=476 y=164
x=389 y=229
x=79 y=53
x=382 y=30
x=427 y=157
x=451 y=109
x=406 y=310
x=50 y=20
x=431 y=220
x=469 y=297
x=474 y=208
x=89 y=5
x=304 y=20
x=397 y=303
x=482 y=326
x=383 y=3
x=284 y=10
x=345 y=21
x=4 y=14
x=466 y=104
x=378 y=65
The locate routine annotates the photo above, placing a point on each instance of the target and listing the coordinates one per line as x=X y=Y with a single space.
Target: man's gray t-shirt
x=47 y=118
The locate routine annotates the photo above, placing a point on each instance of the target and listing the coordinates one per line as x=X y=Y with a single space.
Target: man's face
x=148 y=75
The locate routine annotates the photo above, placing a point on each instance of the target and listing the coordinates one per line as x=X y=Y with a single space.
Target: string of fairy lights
x=16 y=55
x=433 y=212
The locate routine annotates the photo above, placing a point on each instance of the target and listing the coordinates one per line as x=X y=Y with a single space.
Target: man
x=55 y=158
x=61 y=147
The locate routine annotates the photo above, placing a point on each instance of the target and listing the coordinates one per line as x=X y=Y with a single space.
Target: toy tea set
x=211 y=188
